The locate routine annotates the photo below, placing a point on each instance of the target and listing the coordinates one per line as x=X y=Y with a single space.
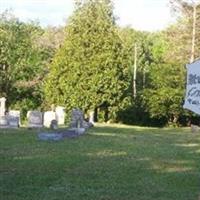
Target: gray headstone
x=77 y=120
x=35 y=119
x=14 y=118
x=50 y=136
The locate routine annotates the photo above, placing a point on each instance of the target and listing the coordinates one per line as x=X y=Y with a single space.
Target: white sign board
x=192 y=98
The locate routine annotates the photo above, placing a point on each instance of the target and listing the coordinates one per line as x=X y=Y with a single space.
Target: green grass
x=111 y=162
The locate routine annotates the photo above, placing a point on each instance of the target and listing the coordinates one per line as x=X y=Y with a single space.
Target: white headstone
x=60 y=115
x=2 y=106
x=3 y=118
x=3 y=121
x=35 y=119
x=91 y=117
x=49 y=116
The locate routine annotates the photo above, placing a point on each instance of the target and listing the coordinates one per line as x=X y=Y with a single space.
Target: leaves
x=88 y=70
x=20 y=60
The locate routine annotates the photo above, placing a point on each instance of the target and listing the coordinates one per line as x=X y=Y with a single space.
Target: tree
x=138 y=48
x=50 y=41
x=135 y=112
x=20 y=62
x=89 y=70
x=186 y=33
x=164 y=97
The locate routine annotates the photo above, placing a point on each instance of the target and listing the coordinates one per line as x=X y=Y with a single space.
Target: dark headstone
x=54 y=124
x=77 y=120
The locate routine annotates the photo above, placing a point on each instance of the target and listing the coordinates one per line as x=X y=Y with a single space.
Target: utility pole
x=135 y=72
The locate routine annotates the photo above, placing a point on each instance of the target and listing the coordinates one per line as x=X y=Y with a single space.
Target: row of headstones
x=10 y=119
x=36 y=119
x=50 y=119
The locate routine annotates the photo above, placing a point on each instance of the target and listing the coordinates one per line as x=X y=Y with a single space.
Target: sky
x=147 y=15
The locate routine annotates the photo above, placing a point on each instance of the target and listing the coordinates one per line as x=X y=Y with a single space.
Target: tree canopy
x=89 y=69
x=21 y=62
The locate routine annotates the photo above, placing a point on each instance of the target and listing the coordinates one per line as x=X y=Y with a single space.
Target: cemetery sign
x=192 y=98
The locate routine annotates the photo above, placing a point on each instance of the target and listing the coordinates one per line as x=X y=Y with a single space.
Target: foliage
x=164 y=97
x=89 y=70
x=50 y=41
x=90 y=64
x=144 y=42
x=180 y=34
x=20 y=61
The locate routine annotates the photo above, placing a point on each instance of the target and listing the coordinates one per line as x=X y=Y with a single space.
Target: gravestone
x=77 y=120
x=194 y=128
x=60 y=115
x=3 y=118
x=35 y=119
x=3 y=122
x=2 y=106
x=14 y=118
x=60 y=135
x=91 y=117
x=54 y=124
x=49 y=118
x=50 y=136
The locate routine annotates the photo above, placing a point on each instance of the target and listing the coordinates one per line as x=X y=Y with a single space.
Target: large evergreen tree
x=89 y=71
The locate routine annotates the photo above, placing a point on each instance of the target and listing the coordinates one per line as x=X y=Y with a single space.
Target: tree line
x=121 y=74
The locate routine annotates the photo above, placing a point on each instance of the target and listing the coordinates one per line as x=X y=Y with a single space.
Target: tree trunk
x=106 y=114
x=135 y=72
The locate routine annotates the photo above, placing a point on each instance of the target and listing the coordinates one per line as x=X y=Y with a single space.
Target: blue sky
x=147 y=15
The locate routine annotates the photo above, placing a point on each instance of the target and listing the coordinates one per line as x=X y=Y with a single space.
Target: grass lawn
x=111 y=162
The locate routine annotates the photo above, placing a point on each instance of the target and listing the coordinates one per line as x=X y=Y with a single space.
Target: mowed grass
x=111 y=162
